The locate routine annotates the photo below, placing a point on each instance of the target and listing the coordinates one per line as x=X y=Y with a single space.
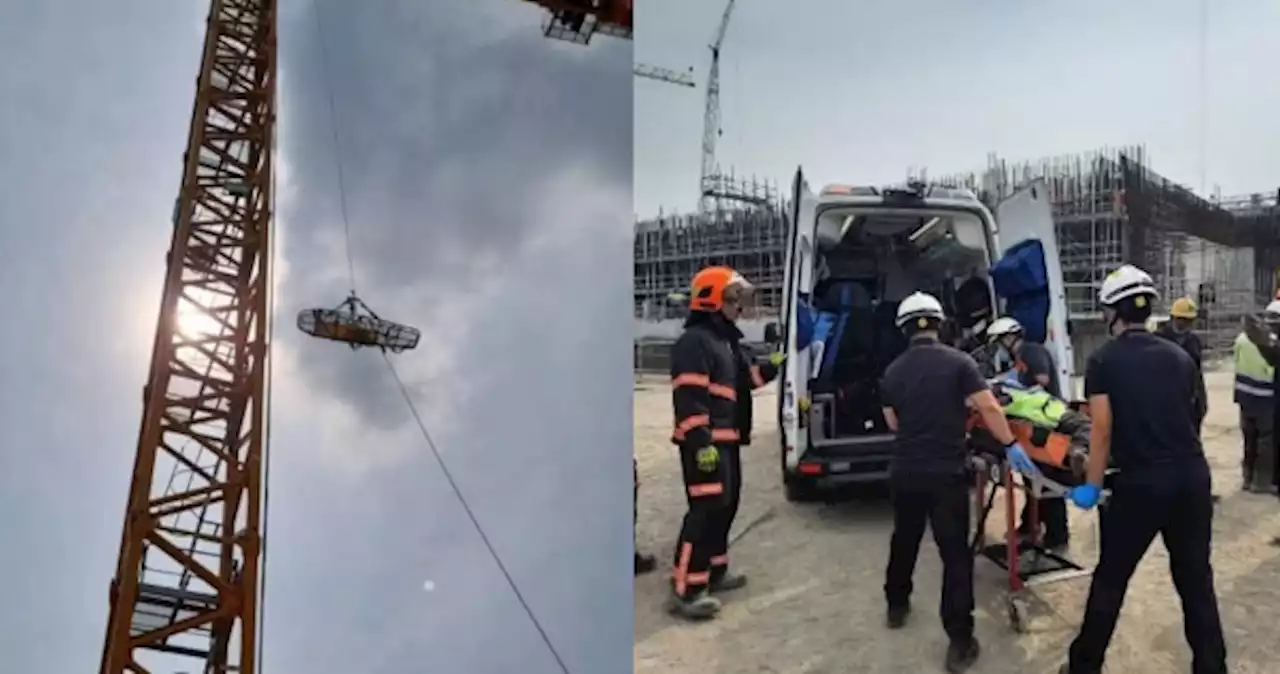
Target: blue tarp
x=1022 y=279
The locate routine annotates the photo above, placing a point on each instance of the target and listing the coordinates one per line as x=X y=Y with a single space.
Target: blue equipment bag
x=1022 y=279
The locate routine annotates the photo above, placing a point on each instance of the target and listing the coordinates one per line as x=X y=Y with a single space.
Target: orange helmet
x=706 y=292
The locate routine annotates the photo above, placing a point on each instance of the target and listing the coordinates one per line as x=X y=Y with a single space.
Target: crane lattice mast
x=186 y=591
x=711 y=118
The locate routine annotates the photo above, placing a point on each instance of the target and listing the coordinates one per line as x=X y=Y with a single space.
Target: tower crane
x=579 y=20
x=660 y=74
x=188 y=581
x=711 y=117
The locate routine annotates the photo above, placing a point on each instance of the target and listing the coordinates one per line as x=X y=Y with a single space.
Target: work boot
x=645 y=564
x=896 y=616
x=962 y=655
x=728 y=581
x=697 y=606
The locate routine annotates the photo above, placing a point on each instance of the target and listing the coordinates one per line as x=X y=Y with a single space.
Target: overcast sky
x=488 y=173
x=859 y=91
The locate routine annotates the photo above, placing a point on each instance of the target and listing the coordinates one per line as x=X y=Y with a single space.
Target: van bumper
x=859 y=461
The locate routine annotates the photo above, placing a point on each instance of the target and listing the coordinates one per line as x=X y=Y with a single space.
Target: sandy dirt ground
x=815 y=606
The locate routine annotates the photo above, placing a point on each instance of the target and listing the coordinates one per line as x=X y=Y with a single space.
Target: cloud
x=449 y=135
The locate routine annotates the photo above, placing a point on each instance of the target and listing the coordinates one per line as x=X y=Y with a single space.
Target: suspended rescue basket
x=356 y=325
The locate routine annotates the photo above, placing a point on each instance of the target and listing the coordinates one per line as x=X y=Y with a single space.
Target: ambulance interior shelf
x=876 y=262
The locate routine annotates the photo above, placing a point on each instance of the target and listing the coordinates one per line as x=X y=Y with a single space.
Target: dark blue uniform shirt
x=927 y=387
x=1151 y=384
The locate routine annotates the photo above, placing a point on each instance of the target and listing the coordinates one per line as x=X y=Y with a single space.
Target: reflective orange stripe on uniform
x=681 y=573
x=704 y=381
x=757 y=379
x=725 y=435
x=683 y=579
x=706 y=489
x=690 y=423
x=722 y=391
x=720 y=560
x=690 y=379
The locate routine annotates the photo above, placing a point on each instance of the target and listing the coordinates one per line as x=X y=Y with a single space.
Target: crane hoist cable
x=395 y=374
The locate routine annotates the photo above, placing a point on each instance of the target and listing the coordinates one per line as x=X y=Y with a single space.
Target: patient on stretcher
x=1055 y=436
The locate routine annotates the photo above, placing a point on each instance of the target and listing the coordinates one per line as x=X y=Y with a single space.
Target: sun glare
x=194 y=324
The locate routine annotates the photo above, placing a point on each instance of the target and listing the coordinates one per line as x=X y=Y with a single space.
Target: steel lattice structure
x=188 y=578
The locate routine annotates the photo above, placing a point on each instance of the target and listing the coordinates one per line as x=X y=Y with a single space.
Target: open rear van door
x=797 y=286
x=1028 y=239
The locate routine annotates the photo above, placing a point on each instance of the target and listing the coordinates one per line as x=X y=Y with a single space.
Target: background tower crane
x=711 y=118
x=188 y=579
x=683 y=79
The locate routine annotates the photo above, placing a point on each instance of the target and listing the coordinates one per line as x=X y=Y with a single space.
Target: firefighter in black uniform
x=926 y=393
x=1141 y=392
x=712 y=377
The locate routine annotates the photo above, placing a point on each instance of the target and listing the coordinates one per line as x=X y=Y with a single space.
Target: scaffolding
x=1109 y=209
x=745 y=230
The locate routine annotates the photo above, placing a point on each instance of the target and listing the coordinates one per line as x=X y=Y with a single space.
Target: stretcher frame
x=994 y=475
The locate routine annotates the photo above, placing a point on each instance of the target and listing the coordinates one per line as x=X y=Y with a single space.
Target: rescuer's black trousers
x=943 y=502
x=1053 y=514
x=732 y=458
x=704 y=535
x=1177 y=504
x=1259 y=450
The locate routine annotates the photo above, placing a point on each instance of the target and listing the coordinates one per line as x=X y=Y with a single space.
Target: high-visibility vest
x=1034 y=415
x=1254 y=376
x=1034 y=405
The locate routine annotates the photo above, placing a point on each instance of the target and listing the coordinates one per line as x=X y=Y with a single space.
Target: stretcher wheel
x=1018 y=615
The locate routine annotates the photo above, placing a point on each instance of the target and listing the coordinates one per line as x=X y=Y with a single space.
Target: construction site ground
x=815 y=605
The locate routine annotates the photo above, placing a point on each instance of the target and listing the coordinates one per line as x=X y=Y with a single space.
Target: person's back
x=1185 y=339
x=930 y=408
x=1151 y=383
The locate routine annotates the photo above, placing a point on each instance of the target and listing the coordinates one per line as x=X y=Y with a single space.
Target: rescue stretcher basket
x=1025 y=559
x=355 y=324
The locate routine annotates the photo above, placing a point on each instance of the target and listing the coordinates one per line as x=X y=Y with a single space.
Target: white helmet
x=1125 y=282
x=1273 y=308
x=919 y=305
x=1002 y=326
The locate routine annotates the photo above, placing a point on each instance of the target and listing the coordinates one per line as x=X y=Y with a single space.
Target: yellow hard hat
x=1183 y=307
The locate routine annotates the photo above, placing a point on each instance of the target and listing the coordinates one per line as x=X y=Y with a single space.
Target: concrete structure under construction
x=1109 y=208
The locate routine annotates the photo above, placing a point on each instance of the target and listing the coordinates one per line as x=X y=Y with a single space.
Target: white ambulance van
x=853 y=254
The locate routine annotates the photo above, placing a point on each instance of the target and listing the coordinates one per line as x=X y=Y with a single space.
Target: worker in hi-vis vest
x=1255 y=396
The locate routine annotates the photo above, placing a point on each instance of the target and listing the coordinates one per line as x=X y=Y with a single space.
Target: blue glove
x=1019 y=461
x=1085 y=496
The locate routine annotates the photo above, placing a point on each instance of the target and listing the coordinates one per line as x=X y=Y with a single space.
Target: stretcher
x=1061 y=460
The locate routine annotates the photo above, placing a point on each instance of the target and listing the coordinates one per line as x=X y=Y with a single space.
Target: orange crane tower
x=187 y=587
